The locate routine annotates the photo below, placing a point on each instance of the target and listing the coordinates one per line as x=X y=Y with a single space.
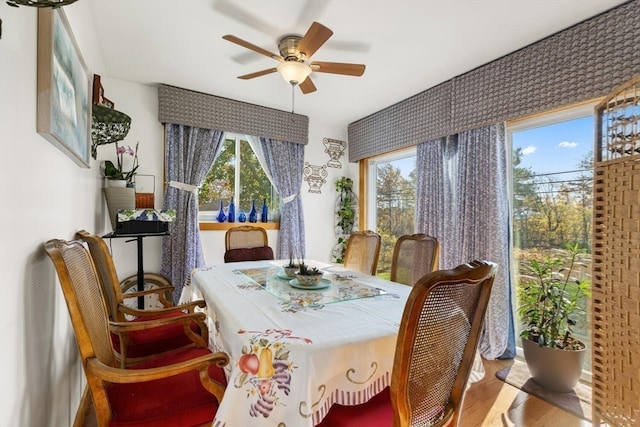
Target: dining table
x=296 y=350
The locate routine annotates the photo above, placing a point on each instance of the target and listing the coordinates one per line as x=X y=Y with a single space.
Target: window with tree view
x=552 y=197
x=237 y=172
x=392 y=198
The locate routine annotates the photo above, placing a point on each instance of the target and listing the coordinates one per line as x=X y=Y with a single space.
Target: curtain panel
x=462 y=200
x=285 y=162
x=189 y=154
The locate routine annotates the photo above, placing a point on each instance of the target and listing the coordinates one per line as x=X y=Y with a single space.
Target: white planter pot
x=119 y=198
x=552 y=368
x=118 y=183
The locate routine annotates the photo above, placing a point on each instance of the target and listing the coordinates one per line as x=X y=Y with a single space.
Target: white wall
x=45 y=195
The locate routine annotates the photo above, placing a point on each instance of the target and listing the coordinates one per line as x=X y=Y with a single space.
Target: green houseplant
x=346 y=215
x=308 y=276
x=292 y=267
x=549 y=296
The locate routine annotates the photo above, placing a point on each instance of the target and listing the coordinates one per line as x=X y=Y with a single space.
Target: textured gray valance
x=583 y=62
x=186 y=107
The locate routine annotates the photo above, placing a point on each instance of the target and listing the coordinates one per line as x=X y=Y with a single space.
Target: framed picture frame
x=64 y=87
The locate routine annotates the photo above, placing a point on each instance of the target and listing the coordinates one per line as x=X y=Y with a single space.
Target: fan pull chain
x=293 y=98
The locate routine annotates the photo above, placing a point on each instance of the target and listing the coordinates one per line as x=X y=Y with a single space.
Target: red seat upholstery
x=156 y=340
x=248 y=254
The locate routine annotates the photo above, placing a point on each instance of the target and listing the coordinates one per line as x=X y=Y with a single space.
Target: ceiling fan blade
x=258 y=74
x=253 y=47
x=307 y=86
x=315 y=37
x=338 y=68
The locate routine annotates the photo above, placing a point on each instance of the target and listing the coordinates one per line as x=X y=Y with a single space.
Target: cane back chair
x=247 y=243
x=437 y=341
x=161 y=330
x=183 y=387
x=362 y=252
x=414 y=256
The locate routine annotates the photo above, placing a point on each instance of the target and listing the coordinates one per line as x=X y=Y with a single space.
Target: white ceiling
x=407 y=45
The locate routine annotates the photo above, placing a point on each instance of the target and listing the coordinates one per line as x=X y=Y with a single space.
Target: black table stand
x=138 y=238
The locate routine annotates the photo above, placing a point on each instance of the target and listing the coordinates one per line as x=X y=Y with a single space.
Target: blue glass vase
x=221 y=216
x=253 y=214
x=231 y=211
x=264 y=217
x=242 y=217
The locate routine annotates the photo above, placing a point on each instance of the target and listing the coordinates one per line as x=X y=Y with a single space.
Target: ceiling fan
x=295 y=52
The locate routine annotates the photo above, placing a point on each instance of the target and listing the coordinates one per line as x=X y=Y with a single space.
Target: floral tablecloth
x=296 y=352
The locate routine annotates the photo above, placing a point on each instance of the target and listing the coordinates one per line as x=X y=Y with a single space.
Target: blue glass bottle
x=264 y=217
x=231 y=212
x=253 y=215
x=242 y=217
x=221 y=216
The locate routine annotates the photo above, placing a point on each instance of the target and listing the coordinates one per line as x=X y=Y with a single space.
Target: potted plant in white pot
x=120 y=196
x=549 y=296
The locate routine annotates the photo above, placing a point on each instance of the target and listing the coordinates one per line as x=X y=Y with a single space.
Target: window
x=391 y=201
x=238 y=173
x=552 y=174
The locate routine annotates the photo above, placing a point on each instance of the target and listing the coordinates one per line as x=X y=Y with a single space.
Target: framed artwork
x=64 y=87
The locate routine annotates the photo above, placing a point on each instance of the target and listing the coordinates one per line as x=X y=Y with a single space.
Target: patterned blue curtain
x=189 y=154
x=463 y=201
x=285 y=161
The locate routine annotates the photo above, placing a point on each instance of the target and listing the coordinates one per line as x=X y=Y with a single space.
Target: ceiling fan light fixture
x=294 y=72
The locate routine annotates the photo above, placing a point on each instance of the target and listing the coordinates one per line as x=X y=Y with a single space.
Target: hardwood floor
x=493 y=403
x=488 y=403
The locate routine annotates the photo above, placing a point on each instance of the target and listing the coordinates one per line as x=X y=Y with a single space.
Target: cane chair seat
x=158 y=330
x=414 y=256
x=437 y=341
x=183 y=387
x=362 y=252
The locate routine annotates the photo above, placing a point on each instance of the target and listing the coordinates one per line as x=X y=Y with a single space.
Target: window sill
x=210 y=225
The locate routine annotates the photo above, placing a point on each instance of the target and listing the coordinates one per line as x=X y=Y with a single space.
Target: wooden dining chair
x=437 y=341
x=414 y=256
x=180 y=388
x=362 y=252
x=247 y=243
x=165 y=329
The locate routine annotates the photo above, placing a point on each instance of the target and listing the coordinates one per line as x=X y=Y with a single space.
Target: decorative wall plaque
x=315 y=176
x=335 y=149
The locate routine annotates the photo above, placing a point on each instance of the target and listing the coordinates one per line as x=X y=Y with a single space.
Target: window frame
x=549 y=118
x=207 y=219
x=369 y=202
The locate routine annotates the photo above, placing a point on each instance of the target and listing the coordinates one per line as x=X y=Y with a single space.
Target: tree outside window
x=237 y=173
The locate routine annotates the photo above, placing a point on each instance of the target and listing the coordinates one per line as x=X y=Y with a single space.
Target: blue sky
x=556 y=147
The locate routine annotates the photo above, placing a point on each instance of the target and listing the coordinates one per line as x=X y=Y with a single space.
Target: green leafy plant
x=549 y=295
x=291 y=264
x=305 y=270
x=346 y=212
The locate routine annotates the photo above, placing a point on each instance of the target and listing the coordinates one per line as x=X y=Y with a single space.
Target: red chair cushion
x=376 y=412
x=248 y=254
x=156 y=340
x=176 y=401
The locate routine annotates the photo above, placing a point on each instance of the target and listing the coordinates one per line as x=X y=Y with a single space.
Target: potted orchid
x=117 y=172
